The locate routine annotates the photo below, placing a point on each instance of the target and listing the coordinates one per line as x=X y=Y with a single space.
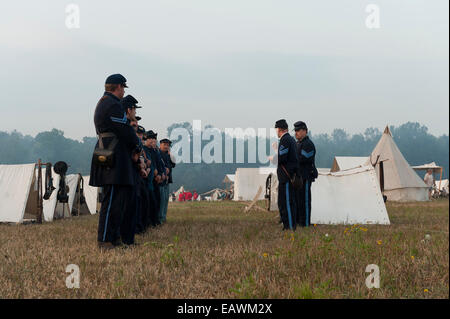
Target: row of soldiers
x=296 y=170
x=132 y=171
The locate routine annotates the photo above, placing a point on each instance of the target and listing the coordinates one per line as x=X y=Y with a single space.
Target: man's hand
x=143 y=173
x=135 y=157
x=167 y=171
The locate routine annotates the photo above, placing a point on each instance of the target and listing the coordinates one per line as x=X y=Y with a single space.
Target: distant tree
x=413 y=139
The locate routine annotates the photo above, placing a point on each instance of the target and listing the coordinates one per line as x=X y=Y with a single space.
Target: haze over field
x=227 y=63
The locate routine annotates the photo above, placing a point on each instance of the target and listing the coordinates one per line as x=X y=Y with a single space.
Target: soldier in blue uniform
x=306 y=153
x=287 y=167
x=169 y=165
x=143 y=220
x=152 y=204
x=158 y=173
x=112 y=162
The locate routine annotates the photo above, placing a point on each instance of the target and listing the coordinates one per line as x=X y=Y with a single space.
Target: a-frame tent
x=399 y=181
x=16 y=182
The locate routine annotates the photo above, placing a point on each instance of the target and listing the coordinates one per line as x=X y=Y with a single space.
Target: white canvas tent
x=75 y=206
x=16 y=182
x=401 y=182
x=248 y=180
x=348 y=197
x=342 y=163
x=91 y=195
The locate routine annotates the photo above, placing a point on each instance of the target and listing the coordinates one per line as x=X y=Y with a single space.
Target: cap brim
x=124 y=85
x=138 y=107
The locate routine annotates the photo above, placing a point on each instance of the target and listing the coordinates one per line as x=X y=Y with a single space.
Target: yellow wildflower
x=379 y=242
x=425 y=290
x=412 y=257
x=265 y=255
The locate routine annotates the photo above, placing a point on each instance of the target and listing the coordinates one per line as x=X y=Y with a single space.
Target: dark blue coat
x=306 y=152
x=287 y=157
x=168 y=163
x=110 y=117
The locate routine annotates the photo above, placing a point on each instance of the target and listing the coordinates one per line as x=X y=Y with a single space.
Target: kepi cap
x=300 y=125
x=281 y=124
x=116 y=79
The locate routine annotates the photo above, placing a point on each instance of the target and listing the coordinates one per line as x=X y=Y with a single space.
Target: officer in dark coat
x=306 y=153
x=114 y=173
x=287 y=167
x=130 y=216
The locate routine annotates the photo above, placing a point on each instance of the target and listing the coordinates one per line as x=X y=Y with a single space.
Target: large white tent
x=248 y=180
x=16 y=182
x=352 y=196
x=342 y=163
x=401 y=182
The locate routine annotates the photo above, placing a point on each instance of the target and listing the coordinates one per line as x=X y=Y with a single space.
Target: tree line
x=413 y=139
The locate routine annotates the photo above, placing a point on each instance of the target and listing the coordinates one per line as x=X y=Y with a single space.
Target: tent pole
x=381 y=177
x=39 y=194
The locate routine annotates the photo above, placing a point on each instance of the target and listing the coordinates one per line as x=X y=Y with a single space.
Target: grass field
x=215 y=250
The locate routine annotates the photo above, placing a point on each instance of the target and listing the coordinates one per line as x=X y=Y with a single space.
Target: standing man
x=112 y=162
x=130 y=217
x=287 y=167
x=158 y=173
x=306 y=153
x=169 y=162
x=143 y=220
x=150 y=140
x=429 y=181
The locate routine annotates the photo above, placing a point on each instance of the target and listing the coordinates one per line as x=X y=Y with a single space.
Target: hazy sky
x=229 y=63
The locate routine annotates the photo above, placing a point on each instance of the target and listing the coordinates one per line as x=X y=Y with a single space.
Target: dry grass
x=214 y=250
